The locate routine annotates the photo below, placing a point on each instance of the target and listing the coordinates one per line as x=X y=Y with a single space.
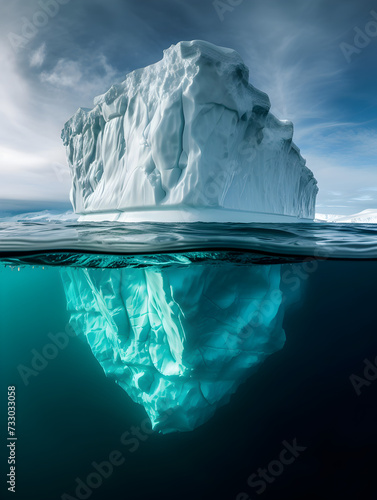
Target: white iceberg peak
x=188 y=135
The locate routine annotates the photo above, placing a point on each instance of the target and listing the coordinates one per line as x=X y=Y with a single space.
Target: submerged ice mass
x=178 y=340
x=187 y=138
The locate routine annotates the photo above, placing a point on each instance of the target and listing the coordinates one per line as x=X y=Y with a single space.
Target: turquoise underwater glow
x=178 y=331
x=179 y=340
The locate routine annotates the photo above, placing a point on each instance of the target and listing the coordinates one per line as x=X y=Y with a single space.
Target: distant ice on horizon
x=368 y=216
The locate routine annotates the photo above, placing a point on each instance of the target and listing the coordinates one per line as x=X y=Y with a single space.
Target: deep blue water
x=69 y=414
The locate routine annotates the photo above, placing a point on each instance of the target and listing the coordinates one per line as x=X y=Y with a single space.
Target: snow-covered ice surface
x=187 y=139
x=45 y=216
x=368 y=216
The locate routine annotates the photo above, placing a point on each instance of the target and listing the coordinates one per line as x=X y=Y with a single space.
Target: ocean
x=299 y=420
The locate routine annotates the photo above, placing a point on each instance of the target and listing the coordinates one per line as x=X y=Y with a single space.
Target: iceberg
x=180 y=339
x=187 y=139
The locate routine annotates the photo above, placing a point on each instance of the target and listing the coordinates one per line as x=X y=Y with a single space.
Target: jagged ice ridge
x=187 y=135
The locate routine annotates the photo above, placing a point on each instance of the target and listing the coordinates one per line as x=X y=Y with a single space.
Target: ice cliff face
x=187 y=133
x=178 y=340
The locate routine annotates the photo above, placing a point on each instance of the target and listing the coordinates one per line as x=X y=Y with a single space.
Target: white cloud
x=65 y=74
x=87 y=78
x=32 y=176
x=354 y=139
x=32 y=157
x=287 y=61
x=37 y=58
x=365 y=197
x=333 y=175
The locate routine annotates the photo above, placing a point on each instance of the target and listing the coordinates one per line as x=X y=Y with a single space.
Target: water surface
x=70 y=415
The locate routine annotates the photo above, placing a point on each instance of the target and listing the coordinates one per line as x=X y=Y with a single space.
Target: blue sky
x=304 y=54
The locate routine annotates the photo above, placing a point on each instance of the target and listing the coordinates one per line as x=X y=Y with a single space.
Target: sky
x=315 y=59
